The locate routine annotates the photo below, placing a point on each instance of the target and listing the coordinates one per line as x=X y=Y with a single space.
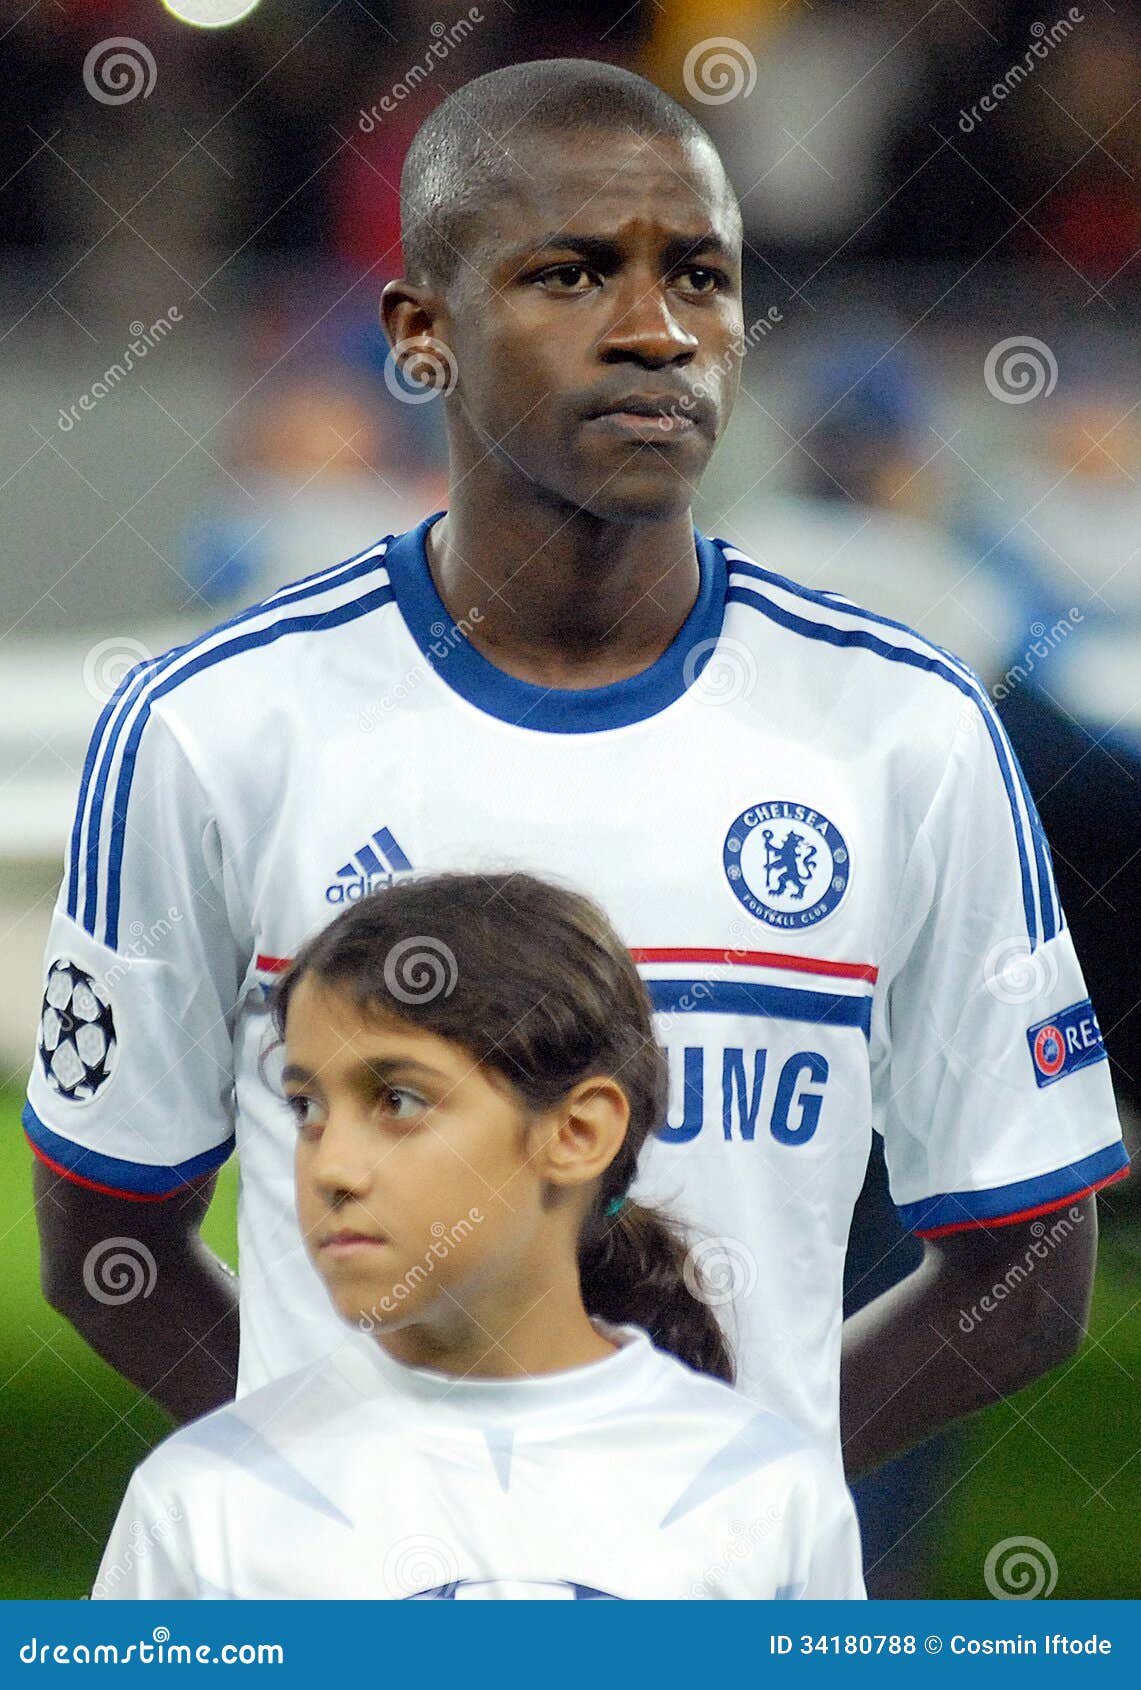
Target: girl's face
x=414 y=1192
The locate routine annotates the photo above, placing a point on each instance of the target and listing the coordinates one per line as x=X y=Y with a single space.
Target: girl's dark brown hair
x=532 y=979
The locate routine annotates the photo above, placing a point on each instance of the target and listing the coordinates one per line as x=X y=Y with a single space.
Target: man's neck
x=574 y=602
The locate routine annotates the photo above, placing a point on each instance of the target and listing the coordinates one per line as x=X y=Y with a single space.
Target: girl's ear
x=584 y=1133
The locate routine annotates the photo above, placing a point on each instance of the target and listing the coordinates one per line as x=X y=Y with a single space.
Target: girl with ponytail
x=533 y=1393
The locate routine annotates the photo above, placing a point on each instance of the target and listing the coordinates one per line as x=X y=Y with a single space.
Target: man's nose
x=645 y=329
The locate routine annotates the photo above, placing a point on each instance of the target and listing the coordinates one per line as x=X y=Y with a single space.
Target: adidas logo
x=373 y=865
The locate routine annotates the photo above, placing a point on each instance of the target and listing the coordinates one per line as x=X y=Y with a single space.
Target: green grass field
x=1061 y=1462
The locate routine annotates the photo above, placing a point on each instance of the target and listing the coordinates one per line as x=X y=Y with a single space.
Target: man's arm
x=987 y=1311
x=177 y=1340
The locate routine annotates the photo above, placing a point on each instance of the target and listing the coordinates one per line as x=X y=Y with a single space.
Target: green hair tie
x=616 y=1205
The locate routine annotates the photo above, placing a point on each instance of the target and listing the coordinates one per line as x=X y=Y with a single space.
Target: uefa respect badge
x=787 y=863
x=1066 y=1042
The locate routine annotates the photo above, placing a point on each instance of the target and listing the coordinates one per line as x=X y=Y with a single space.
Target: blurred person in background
x=861 y=517
x=1071 y=695
x=327 y=461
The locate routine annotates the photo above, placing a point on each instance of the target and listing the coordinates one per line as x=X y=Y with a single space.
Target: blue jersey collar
x=553 y=709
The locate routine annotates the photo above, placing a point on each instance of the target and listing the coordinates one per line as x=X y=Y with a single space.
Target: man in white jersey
x=805 y=820
x=382 y=1471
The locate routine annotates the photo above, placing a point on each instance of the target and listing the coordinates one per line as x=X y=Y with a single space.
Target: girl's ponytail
x=636 y=1269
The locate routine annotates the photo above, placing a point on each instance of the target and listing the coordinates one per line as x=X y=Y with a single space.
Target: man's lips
x=648 y=416
x=659 y=426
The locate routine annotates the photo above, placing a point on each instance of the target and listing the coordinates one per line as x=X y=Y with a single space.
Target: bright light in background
x=209 y=14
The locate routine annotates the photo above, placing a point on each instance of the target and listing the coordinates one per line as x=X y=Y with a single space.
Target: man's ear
x=410 y=315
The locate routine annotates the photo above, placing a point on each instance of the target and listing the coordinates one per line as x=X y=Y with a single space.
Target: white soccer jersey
x=805 y=820
x=631 y=1477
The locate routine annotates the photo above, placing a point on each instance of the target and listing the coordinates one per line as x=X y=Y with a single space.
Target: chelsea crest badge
x=787 y=863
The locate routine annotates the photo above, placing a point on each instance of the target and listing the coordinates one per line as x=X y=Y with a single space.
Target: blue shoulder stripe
x=260 y=637
x=119 y=706
x=933 y=662
x=104 y=739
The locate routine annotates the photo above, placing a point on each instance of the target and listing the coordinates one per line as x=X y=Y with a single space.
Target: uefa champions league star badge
x=77 y=1043
x=787 y=863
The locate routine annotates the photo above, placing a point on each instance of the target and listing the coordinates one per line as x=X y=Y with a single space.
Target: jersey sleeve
x=132 y=1078
x=991 y=1087
x=148 y=1553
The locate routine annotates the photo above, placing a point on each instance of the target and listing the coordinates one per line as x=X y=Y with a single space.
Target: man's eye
x=565 y=273
x=713 y=278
